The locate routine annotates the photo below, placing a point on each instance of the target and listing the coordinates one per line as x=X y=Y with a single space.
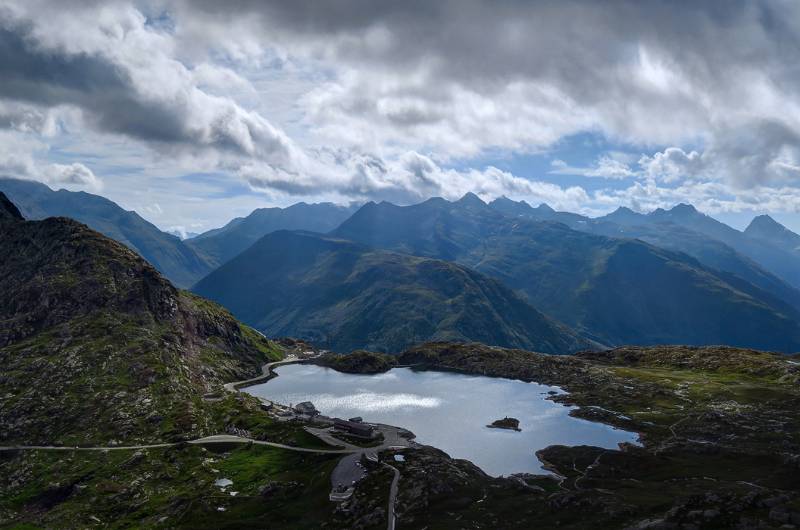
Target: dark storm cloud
x=706 y=90
x=163 y=106
x=650 y=73
x=504 y=40
x=90 y=82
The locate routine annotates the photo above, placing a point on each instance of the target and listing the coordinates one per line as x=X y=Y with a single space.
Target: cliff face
x=97 y=345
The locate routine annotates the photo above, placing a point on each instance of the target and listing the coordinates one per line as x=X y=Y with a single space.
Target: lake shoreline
x=446 y=410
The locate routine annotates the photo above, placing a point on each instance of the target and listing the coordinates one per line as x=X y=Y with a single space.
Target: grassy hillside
x=344 y=296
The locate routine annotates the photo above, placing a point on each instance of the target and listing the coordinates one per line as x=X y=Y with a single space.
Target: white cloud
x=607 y=167
x=709 y=196
x=121 y=73
x=674 y=164
x=19 y=158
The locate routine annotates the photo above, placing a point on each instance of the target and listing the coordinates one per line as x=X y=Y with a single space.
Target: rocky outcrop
x=358 y=362
x=511 y=424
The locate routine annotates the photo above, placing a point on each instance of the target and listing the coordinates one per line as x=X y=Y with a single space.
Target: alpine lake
x=447 y=410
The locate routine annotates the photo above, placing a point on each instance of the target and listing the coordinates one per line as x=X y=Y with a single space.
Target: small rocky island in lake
x=506 y=423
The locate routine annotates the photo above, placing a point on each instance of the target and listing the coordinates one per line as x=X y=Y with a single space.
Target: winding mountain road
x=392 y=440
x=266 y=373
x=207 y=440
x=392 y=497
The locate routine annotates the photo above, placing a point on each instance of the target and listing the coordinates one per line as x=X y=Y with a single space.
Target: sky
x=192 y=113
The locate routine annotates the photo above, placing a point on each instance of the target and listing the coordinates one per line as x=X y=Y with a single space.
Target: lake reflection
x=447 y=410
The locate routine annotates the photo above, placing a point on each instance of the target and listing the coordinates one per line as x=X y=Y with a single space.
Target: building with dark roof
x=353 y=428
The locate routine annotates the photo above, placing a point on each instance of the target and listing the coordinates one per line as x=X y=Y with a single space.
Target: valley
x=151 y=404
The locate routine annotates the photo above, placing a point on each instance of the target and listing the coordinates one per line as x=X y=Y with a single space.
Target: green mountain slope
x=617 y=291
x=167 y=253
x=96 y=346
x=344 y=296
x=222 y=244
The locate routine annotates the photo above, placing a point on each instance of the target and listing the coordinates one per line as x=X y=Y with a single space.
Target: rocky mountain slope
x=344 y=296
x=179 y=262
x=97 y=346
x=618 y=291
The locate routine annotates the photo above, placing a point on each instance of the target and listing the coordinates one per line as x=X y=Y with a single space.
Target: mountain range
x=781 y=262
x=183 y=262
x=697 y=235
x=671 y=276
x=222 y=244
x=613 y=290
x=344 y=296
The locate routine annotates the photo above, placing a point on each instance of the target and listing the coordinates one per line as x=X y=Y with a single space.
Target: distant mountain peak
x=544 y=207
x=624 y=215
x=766 y=228
x=504 y=200
x=431 y=200
x=470 y=199
x=683 y=208
x=8 y=210
x=764 y=221
x=511 y=207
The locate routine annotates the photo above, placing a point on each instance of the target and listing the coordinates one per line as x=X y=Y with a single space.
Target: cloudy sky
x=194 y=112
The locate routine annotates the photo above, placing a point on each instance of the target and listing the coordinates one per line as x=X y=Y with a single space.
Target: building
x=362 y=430
x=357 y=419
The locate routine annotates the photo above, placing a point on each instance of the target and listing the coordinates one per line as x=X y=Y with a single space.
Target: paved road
x=266 y=370
x=347 y=472
x=215 y=439
x=392 y=497
x=328 y=438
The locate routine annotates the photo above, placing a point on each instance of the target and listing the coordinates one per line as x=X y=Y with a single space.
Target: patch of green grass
x=270 y=349
x=253 y=464
x=164 y=487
